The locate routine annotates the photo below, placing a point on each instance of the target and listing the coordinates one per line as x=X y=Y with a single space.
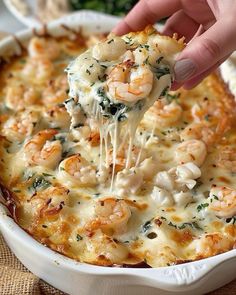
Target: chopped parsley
x=129 y=40
x=215 y=197
x=46 y=174
x=202 y=206
x=171 y=97
x=160 y=59
x=206 y=117
x=38 y=184
x=110 y=109
x=172 y=224
x=193 y=225
x=146 y=226
x=78 y=238
x=163 y=218
x=146 y=46
x=60 y=138
x=165 y=90
x=161 y=71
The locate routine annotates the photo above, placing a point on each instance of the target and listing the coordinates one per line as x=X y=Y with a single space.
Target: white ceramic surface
x=76 y=278
x=8 y=23
x=29 y=20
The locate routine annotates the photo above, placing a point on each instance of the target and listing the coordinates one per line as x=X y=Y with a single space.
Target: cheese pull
x=116 y=81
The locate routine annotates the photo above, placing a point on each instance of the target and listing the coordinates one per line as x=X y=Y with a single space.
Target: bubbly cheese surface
x=174 y=202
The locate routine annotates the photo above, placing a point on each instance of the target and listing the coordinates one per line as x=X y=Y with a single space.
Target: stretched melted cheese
x=174 y=203
x=118 y=80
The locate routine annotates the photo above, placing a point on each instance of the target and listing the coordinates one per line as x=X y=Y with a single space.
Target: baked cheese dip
x=94 y=185
x=116 y=81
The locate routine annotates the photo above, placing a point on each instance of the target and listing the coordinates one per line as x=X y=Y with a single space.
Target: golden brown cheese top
x=176 y=200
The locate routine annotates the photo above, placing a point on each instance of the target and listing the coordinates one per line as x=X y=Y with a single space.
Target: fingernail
x=184 y=69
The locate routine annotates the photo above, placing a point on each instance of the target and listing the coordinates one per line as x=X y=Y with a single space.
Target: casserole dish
x=73 y=277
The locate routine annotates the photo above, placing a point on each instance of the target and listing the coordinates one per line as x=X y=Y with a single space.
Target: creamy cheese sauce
x=173 y=198
x=116 y=82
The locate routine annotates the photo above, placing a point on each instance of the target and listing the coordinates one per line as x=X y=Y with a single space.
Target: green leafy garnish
x=193 y=225
x=47 y=175
x=146 y=226
x=78 y=238
x=202 y=206
x=161 y=71
x=165 y=90
x=110 y=109
x=171 y=97
x=38 y=184
x=115 y=7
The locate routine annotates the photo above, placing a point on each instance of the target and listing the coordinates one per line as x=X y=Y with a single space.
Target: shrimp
x=38 y=70
x=18 y=97
x=129 y=84
x=192 y=150
x=77 y=170
x=223 y=201
x=212 y=244
x=49 y=202
x=40 y=151
x=94 y=138
x=205 y=131
x=208 y=109
x=104 y=250
x=164 y=115
x=112 y=216
x=20 y=126
x=57 y=117
x=227 y=158
x=56 y=91
x=42 y=47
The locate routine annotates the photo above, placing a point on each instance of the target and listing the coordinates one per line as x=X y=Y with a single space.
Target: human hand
x=208 y=26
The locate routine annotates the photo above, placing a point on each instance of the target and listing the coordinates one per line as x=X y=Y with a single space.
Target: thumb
x=206 y=50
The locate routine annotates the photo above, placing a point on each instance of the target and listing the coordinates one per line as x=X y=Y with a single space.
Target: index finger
x=146 y=12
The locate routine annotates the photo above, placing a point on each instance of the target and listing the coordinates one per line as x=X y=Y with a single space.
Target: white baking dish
x=76 y=278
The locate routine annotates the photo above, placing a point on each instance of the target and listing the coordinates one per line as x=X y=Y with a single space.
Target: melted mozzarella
x=174 y=181
x=92 y=73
